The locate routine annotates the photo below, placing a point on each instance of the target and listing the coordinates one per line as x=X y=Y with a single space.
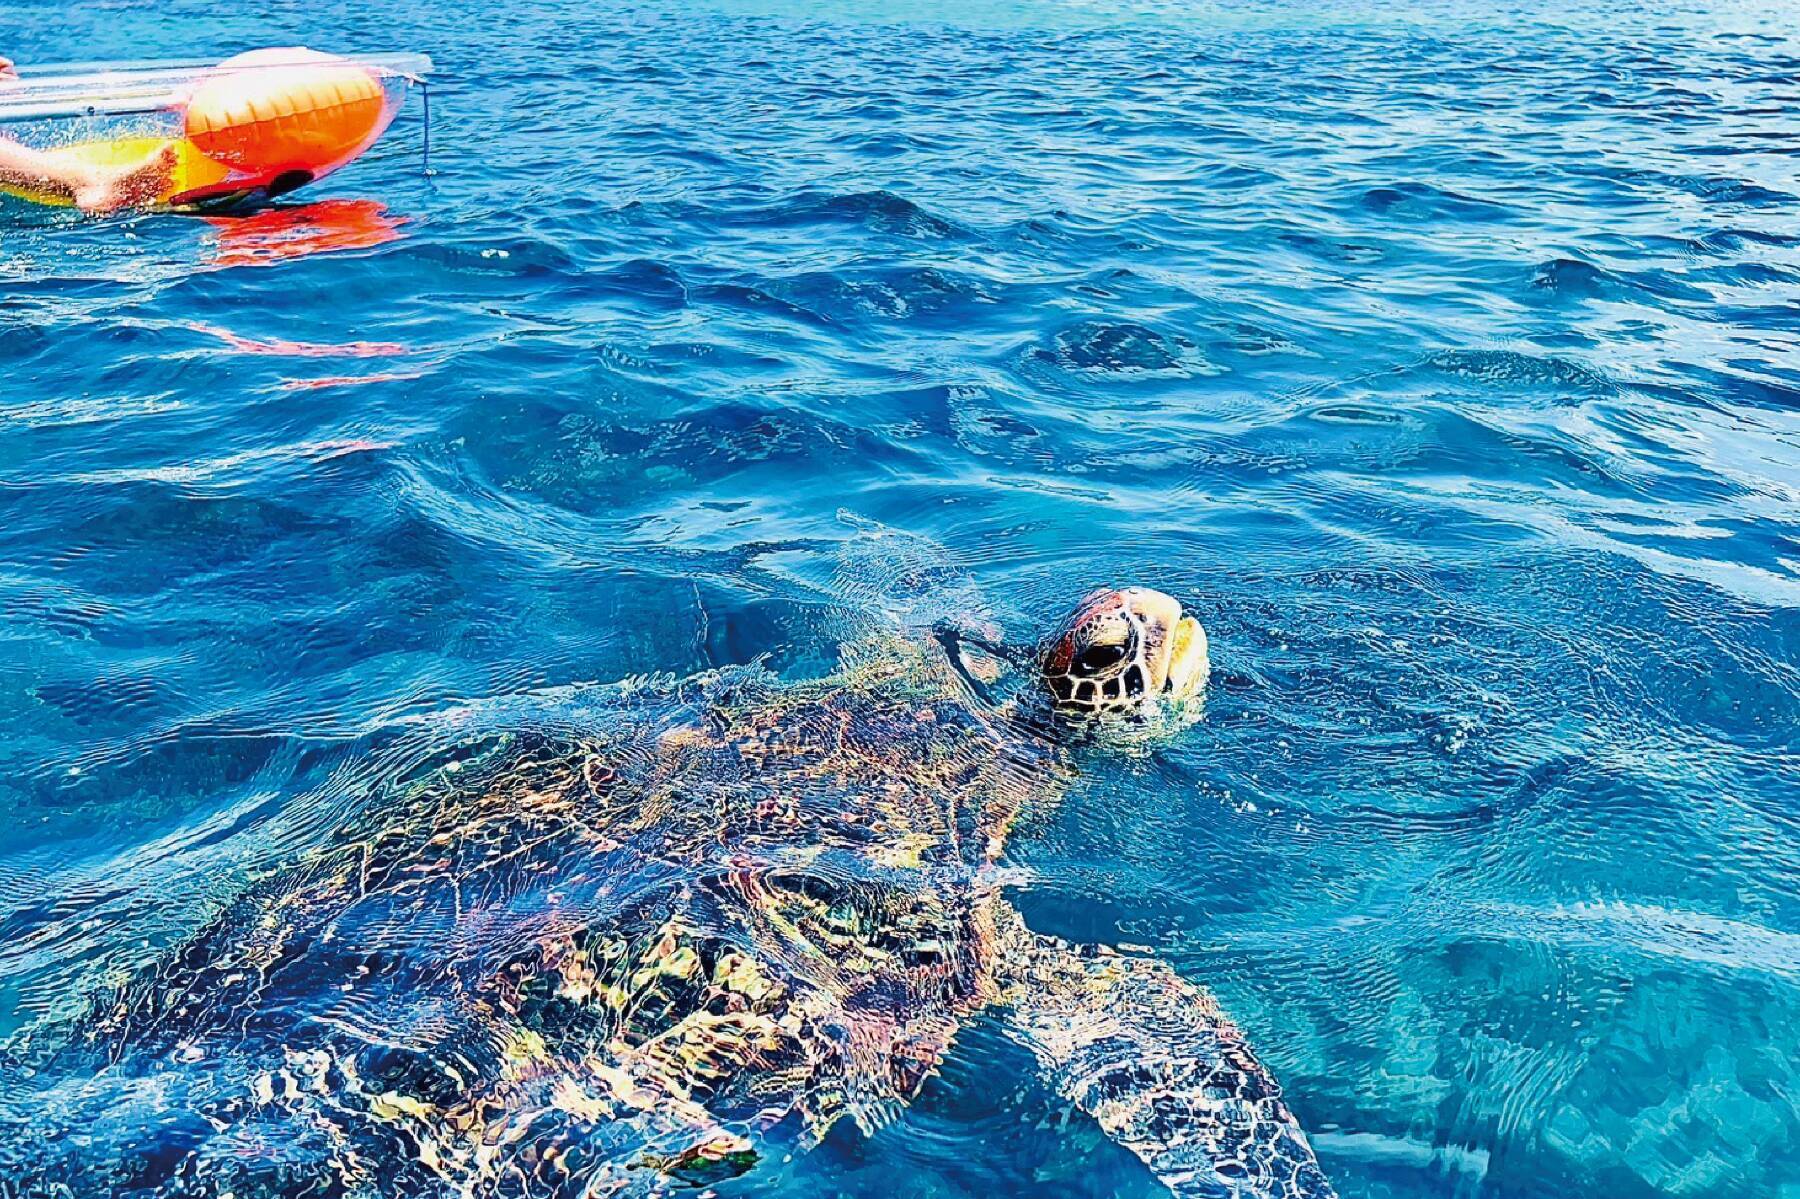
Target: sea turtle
x=668 y=928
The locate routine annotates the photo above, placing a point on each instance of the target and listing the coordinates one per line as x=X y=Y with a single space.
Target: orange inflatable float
x=272 y=111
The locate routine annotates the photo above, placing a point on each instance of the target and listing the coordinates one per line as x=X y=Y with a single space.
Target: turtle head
x=1127 y=652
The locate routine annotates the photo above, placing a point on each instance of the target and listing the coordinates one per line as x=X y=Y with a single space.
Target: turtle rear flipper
x=1151 y=1057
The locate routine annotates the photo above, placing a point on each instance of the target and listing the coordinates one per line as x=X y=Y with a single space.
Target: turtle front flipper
x=1151 y=1057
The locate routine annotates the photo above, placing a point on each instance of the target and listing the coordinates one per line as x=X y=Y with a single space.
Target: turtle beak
x=1189 y=660
x=1176 y=648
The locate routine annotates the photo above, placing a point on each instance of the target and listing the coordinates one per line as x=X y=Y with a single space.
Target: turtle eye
x=1096 y=658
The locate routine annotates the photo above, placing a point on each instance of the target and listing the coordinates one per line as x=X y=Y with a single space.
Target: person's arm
x=91 y=189
x=22 y=166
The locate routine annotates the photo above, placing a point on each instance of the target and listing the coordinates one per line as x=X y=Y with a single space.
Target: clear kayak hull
x=252 y=127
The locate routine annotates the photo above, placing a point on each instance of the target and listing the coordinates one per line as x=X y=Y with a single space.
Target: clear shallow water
x=1446 y=366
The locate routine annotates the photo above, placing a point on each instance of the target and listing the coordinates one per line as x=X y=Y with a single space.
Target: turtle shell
x=624 y=945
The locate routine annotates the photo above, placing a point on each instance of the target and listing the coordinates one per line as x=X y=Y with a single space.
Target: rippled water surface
x=1446 y=366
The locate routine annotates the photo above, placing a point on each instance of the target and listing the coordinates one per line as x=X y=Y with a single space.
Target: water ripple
x=1443 y=362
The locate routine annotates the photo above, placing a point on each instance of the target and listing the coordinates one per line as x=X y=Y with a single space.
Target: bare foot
x=112 y=188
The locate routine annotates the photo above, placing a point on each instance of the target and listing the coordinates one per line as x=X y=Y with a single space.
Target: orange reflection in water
x=287 y=348
x=283 y=234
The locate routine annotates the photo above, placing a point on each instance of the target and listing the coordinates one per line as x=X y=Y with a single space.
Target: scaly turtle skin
x=630 y=952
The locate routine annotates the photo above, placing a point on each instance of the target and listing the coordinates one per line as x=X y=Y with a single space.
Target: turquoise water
x=1447 y=364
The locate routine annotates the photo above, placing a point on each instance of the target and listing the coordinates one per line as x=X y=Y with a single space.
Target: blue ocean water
x=1445 y=361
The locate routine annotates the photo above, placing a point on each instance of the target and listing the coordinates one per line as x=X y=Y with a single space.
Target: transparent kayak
x=249 y=128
